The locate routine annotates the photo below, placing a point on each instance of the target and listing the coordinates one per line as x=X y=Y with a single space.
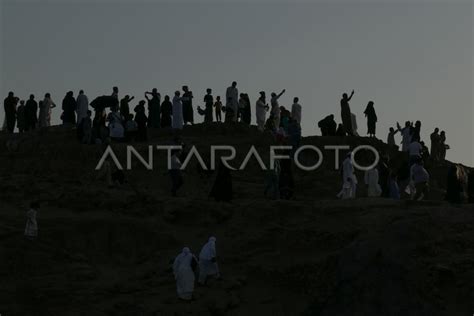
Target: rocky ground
x=107 y=251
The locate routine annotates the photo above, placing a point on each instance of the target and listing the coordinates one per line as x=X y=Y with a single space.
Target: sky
x=414 y=59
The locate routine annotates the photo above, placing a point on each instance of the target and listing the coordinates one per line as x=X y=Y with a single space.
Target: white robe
x=177 y=113
x=31 y=229
x=232 y=93
x=296 y=112
x=45 y=112
x=406 y=138
x=354 y=124
x=260 y=112
x=206 y=265
x=116 y=128
x=82 y=107
x=348 y=173
x=184 y=274
x=371 y=178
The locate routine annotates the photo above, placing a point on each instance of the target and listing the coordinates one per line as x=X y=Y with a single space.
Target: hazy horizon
x=414 y=60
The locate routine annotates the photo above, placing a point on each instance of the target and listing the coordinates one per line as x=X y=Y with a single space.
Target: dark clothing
x=9 y=105
x=346 y=117
x=69 y=109
x=371 y=119
x=20 y=117
x=187 y=100
x=470 y=187
x=341 y=131
x=246 y=112
x=454 y=188
x=222 y=188
x=209 y=102
x=166 y=112
x=142 y=120
x=328 y=126
x=176 y=180
x=31 y=115
x=124 y=108
x=154 y=111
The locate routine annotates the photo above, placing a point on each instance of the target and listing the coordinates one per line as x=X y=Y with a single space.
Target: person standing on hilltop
x=261 y=111
x=115 y=92
x=296 y=110
x=9 y=105
x=45 y=111
x=276 y=108
x=232 y=100
x=125 y=105
x=142 y=120
x=31 y=113
x=209 y=102
x=416 y=132
x=218 y=109
x=246 y=112
x=435 y=140
x=406 y=135
x=69 y=107
x=187 y=101
x=20 y=116
x=177 y=111
x=153 y=108
x=371 y=119
x=166 y=112
x=82 y=106
x=443 y=147
x=346 y=113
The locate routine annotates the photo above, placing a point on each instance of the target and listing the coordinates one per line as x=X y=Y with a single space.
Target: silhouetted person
x=218 y=109
x=45 y=111
x=115 y=92
x=209 y=102
x=125 y=106
x=222 y=188
x=166 y=112
x=187 y=101
x=341 y=131
x=435 y=142
x=261 y=108
x=69 y=109
x=454 y=184
x=296 y=111
x=442 y=146
x=328 y=126
x=31 y=113
x=416 y=130
x=142 y=120
x=20 y=116
x=285 y=116
x=232 y=100
x=346 y=113
x=177 y=111
x=371 y=119
x=391 y=136
x=153 y=108
x=82 y=106
x=276 y=107
x=247 y=111
x=9 y=105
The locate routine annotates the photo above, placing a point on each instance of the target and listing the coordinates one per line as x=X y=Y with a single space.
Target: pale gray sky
x=413 y=59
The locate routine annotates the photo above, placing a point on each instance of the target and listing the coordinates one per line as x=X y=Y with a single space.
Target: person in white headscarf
x=349 y=179
x=261 y=111
x=208 y=261
x=82 y=106
x=45 y=111
x=183 y=272
x=406 y=135
x=177 y=111
x=354 y=124
x=371 y=178
x=232 y=99
x=31 y=228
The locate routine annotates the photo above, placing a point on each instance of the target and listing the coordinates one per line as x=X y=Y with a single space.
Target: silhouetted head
x=22 y=102
x=142 y=102
x=262 y=94
x=167 y=97
x=130 y=117
x=115 y=89
x=70 y=94
x=16 y=100
x=208 y=91
x=436 y=130
x=295 y=100
x=371 y=104
x=418 y=124
x=218 y=98
x=81 y=92
x=242 y=95
x=443 y=133
x=127 y=97
x=391 y=130
x=234 y=84
x=407 y=124
x=185 y=88
x=10 y=94
x=154 y=91
x=331 y=116
x=32 y=96
x=344 y=96
x=177 y=93
x=273 y=94
x=47 y=95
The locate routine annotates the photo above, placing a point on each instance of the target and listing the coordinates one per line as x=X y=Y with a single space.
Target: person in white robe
x=82 y=106
x=116 y=129
x=184 y=274
x=31 y=228
x=261 y=111
x=406 y=135
x=276 y=108
x=371 y=178
x=177 y=122
x=354 y=124
x=232 y=99
x=296 y=111
x=349 y=179
x=207 y=261
x=45 y=111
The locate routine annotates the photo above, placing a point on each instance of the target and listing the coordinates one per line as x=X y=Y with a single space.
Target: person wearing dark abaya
x=20 y=116
x=187 y=100
x=246 y=111
x=31 y=113
x=328 y=126
x=346 y=113
x=222 y=188
x=416 y=132
x=371 y=119
x=286 y=181
x=142 y=120
x=340 y=130
x=153 y=108
x=125 y=106
x=9 y=105
x=166 y=112
x=209 y=102
x=69 y=109
x=454 y=185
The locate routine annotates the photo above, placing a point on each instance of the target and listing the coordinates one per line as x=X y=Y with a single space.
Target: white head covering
x=184 y=257
x=209 y=250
